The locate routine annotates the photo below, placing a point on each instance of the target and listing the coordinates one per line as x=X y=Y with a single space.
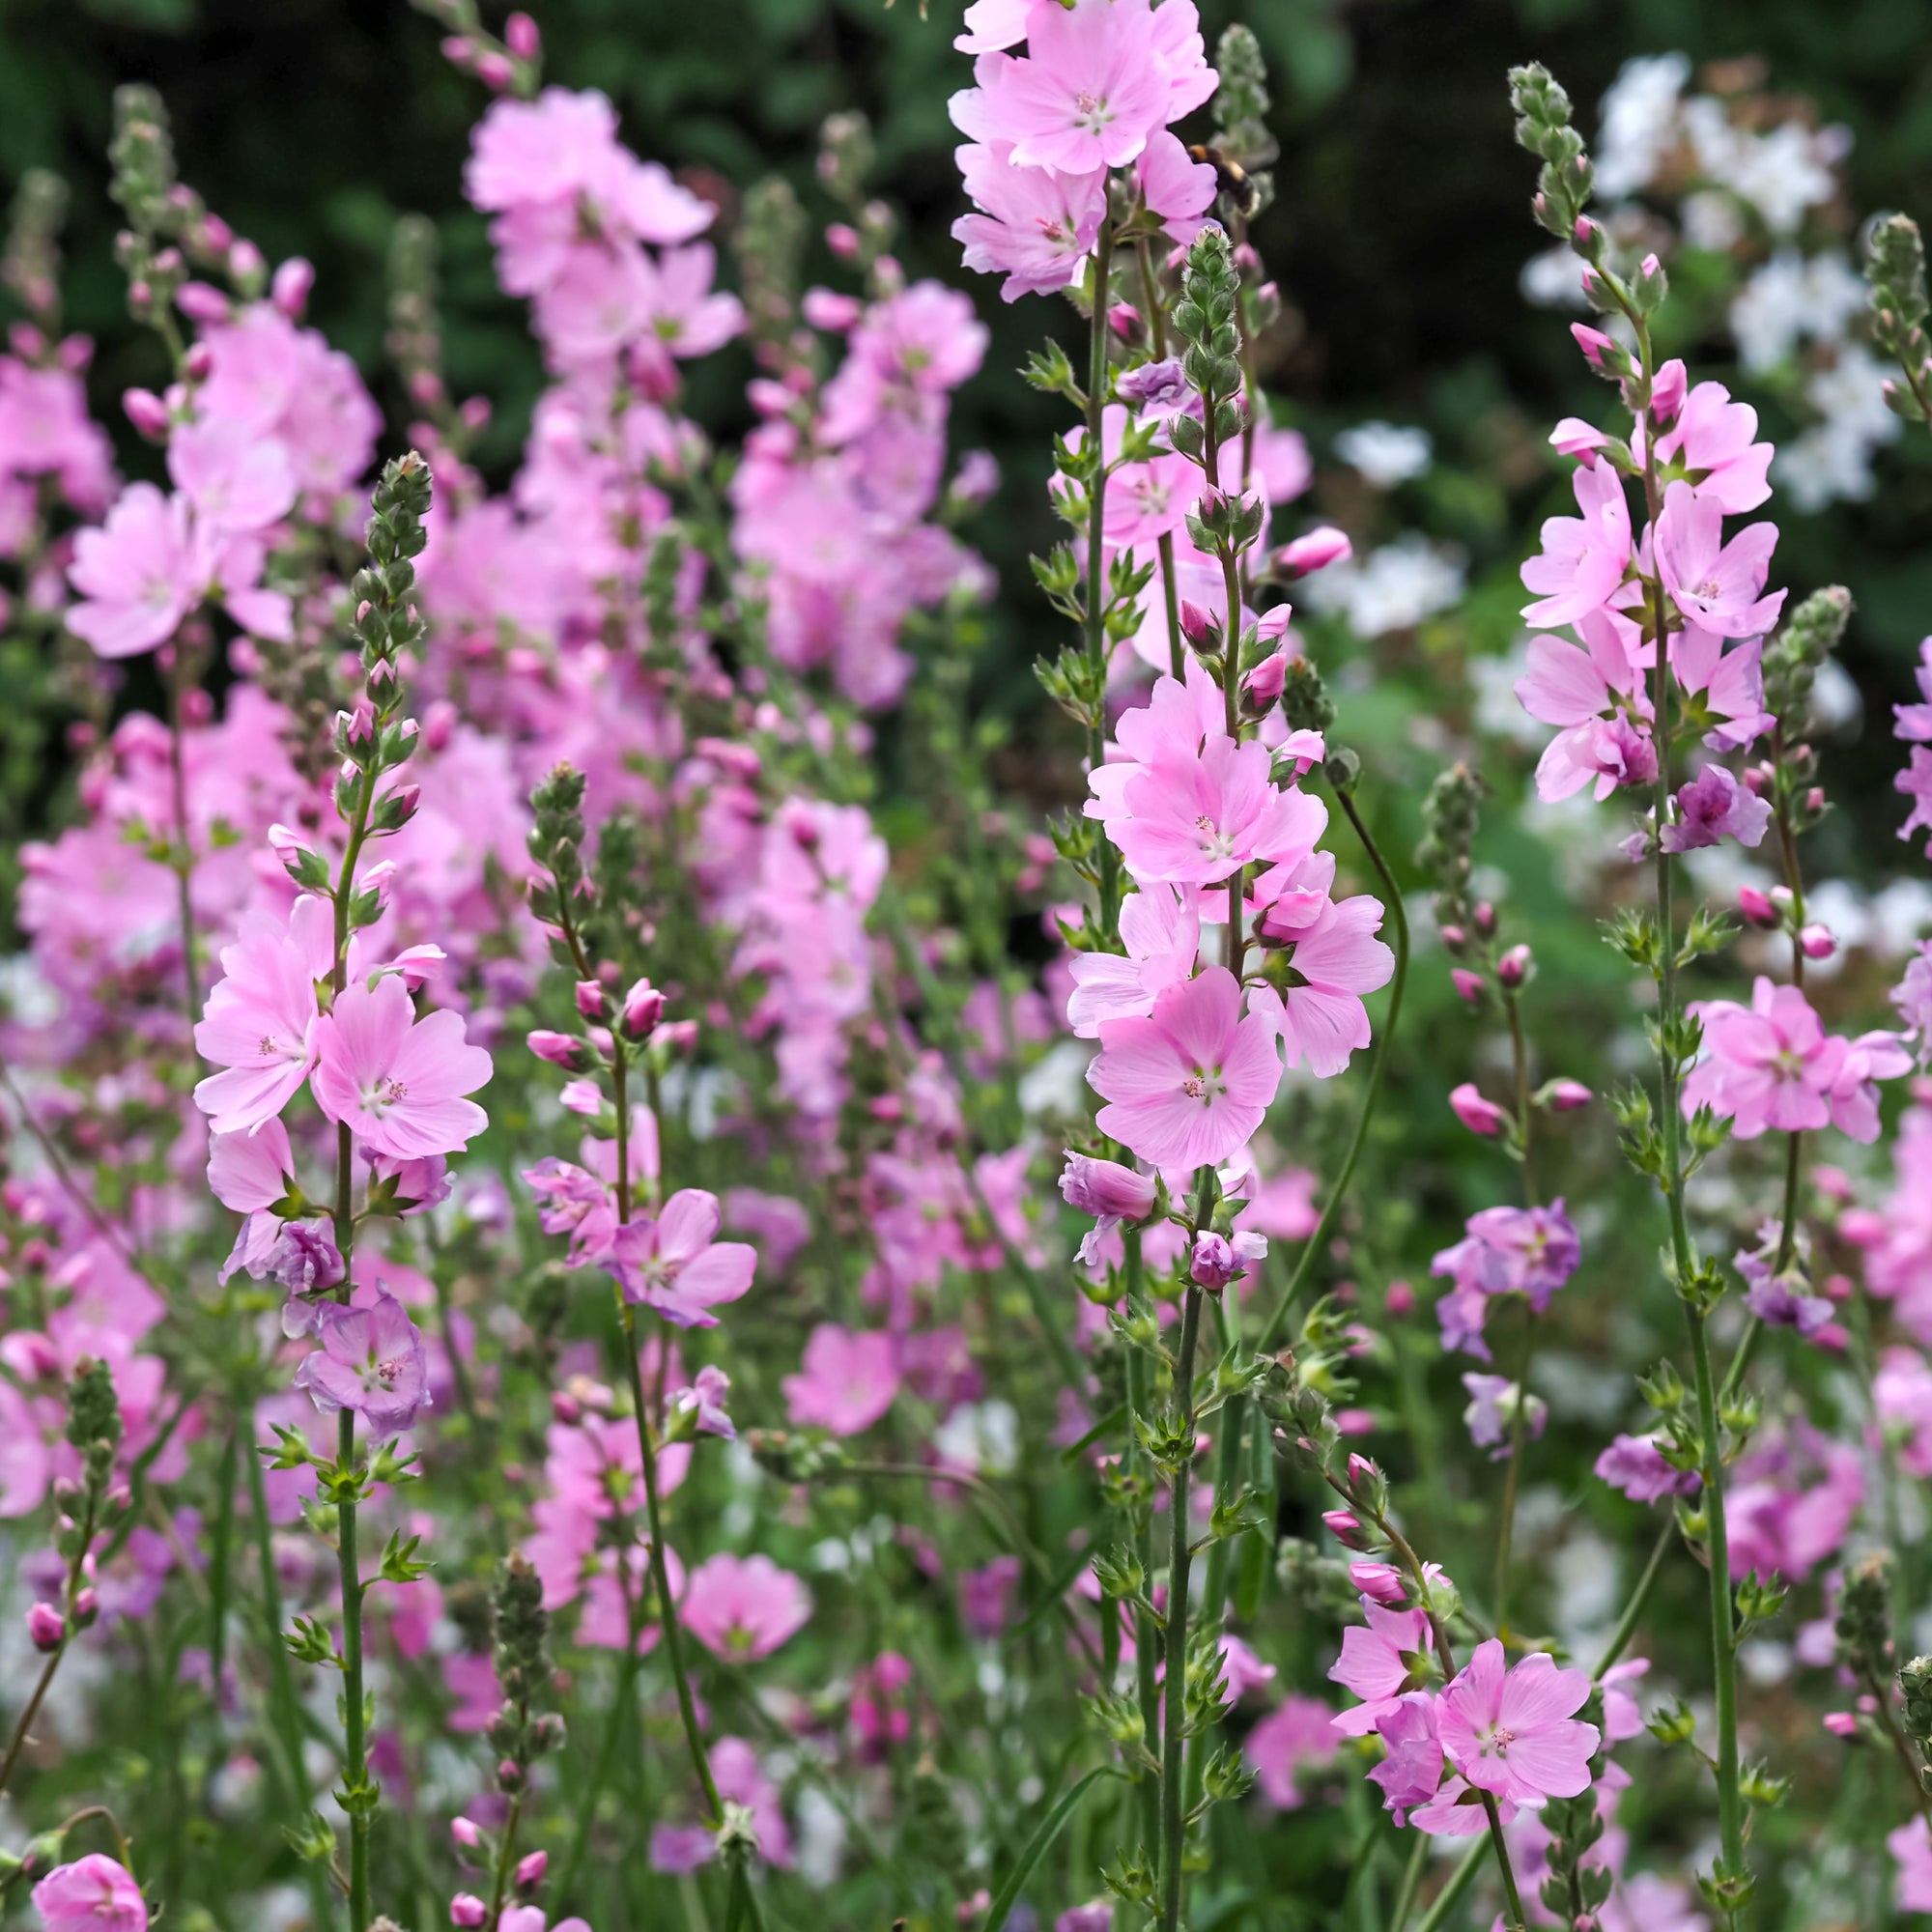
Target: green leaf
x=1039 y=1845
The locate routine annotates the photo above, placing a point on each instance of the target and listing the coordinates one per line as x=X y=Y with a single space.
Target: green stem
x=1724 y=1636
x=1232 y=1434
x=1412 y=1879
x=1147 y=1789
x=1640 y=1597
x=355 y=1714
x=184 y=858
x=1318 y=1242
x=1096 y=585
x=1455 y=1892
x=624 y=1704
x=218 y=1565
x=1511 y=1480
x=1174 y=1770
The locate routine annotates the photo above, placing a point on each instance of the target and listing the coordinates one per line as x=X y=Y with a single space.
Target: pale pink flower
x=1772 y=1065
x=847 y=1381
x=1109 y=1192
x=1087 y=95
x=1033 y=225
x=676 y=1265
x=1381 y=1658
x=250 y=1172
x=1160 y=927
x=743 y=1607
x=1320 y=1017
x=91 y=1894
x=395 y=1080
x=1587 y=693
x=1715 y=585
x=1711 y=446
x=236 y=479
x=1583 y=558
x=1294 y=1739
x=1198 y=820
x=261 y=1018
x=1730 y=684
x=1910 y=1844
x=1187 y=1086
x=1410 y=1772
x=1511 y=1732
x=1175 y=186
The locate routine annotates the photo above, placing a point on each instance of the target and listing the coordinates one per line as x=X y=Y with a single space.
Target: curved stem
x=1640 y=1597
x=1318 y=1242
x=1454 y=1892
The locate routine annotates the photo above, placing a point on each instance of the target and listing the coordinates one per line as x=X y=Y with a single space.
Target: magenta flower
x=1480 y=1116
x=1715 y=585
x=1217 y=1261
x=1187 y=1086
x=847 y=1381
x=371 y=1360
x=397 y=1081
x=1636 y=1465
x=1381 y=1660
x=91 y=1894
x=1772 y=1065
x=260 y=1019
x=1583 y=558
x=675 y=1265
x=1511 y=1732
x=743 y=1607
x=1410 y=1772
x=1294 y=1738
x=1714 y=805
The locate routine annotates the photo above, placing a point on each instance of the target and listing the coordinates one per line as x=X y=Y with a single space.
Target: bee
x=1243 y=191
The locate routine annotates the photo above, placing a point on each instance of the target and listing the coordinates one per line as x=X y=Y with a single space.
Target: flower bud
x=1757 y=909
x=1400 y=1301
x=1470 y=985
x=46 y=1627
x=1815 y=940
x=1105 y=1189
x=394 y=809
x=592 y=1003
x=1346 y=1529
x=497 y=72
x=530 y=1870
x=644 y=1008
x=1380 y=1582
x=1315 y=551
x=86 y=1608
x=465 y=1909
x=466 y=1833
x=148 y=413
x=198 y=364
x=1218 y=1260
x=1512 y=968
x=522 y=38
x=1565 y=1096
x=1480 y=1116
x=1485 y=918
x=1198 y=626
x=561 y=1049
x=565 y=1407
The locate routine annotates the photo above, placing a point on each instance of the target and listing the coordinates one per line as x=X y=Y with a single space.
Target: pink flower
x=1187 y=1086
x=1915 y=782
x=395 y=1080
x=1634 y=1465
x=1510 y=1732
x=260 y=1019
x=1711 y=446
x=1296 y=1737
x=675 y=1265
x=1910 y=1844
x=1108 y=1191
x=846 y=1382
x=1715 y=585
x=1730 y=685
x=371 y=1360
x=1160 y=927
x=1914 y=723
x=705 y=1398
x=743 y=1608
x=91 y=1894
x=1217 y=1260
x=1410 y=1772
x=1712 y=805
x=1770 y=1064
x=1033 y=225
x=236 y=479
x=250 y=1172
x=1902 y=1396
x=1480 y=1116
x=1583 y=558
x=1321 y=1016
x=1178 y=188
x=1380 y=1661
x=1196 y=821
x=1575 y=689
x=1087 y=95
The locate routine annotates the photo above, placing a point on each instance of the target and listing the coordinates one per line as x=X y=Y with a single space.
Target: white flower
x=1638 y=121
x=1384 y=453
x=1393 y=588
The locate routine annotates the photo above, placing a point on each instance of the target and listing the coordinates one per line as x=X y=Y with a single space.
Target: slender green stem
x=1231 y=1437
x=1096 y=549
x=1170 y=591
x=1318 y=1242
x=1639 y=1597
x=355 y=1711
x=219 y=1564
x=1412 y=1879
x=1455 y=1892
x=1724 y=1636
x=674 y=1638
x=1512 y=1480
x=506 y=1852
x=1525 y=1114
x=1174 y=1769
x=1147 y=1789
x=623 y=1708
x=183 y=856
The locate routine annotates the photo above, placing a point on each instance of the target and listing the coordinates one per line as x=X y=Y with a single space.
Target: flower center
x=1090 y=111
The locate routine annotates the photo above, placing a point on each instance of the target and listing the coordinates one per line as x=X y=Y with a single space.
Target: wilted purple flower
x=1217 y=1261
x=1159 y=385
x=1636 y=1465
x=1711 y=806
x=1492 y=1413
x=706 y=1398
x=370 y=1360
x=305 y=1259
